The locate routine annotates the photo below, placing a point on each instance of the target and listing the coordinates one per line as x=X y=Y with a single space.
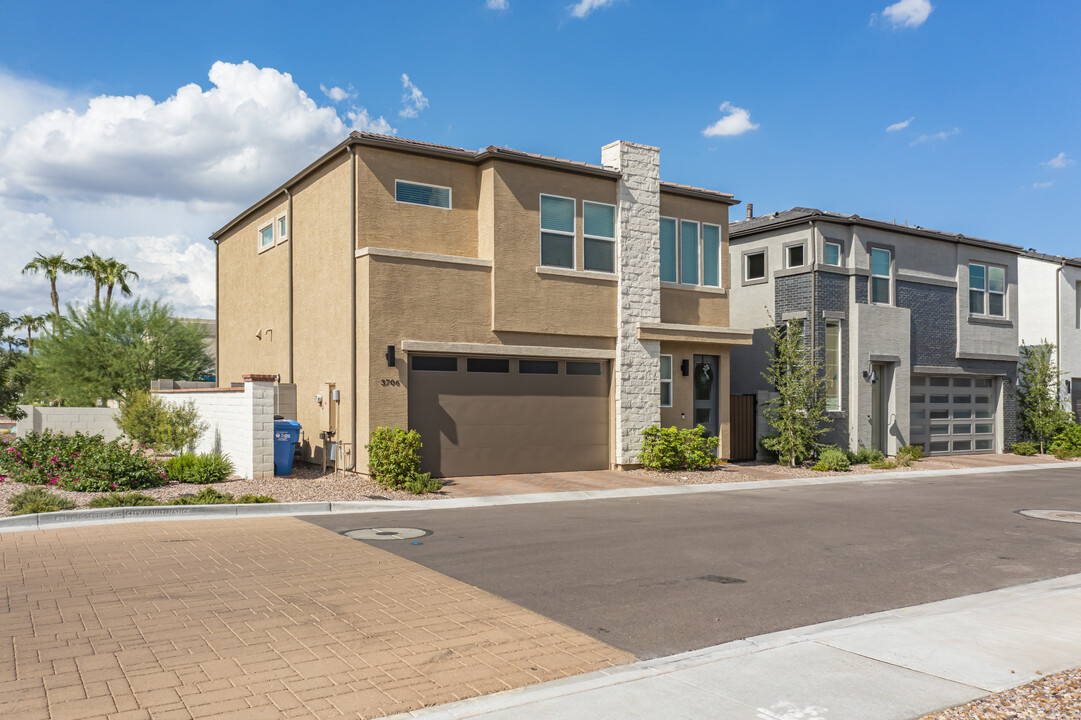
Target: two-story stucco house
x=523 y=313
x=917 y=330
x=1050 y=311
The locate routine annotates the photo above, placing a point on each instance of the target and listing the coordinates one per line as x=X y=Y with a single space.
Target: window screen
x=688 y=247
x=711 y=255
x=668 y=250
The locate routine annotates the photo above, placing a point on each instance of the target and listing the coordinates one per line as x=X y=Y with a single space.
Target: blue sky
x=235 y=97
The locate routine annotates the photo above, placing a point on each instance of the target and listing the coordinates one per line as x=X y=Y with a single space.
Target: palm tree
x=51 y=265
x=93 y=266
x=32 y=324
x=116 y=273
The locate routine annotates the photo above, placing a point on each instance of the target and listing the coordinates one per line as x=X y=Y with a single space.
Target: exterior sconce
x=685 y=367
x=390 y=356
x=268 y=332
x=1068 y=387
x=870 y=375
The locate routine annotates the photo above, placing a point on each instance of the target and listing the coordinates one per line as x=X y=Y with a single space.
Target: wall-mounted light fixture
x=390 y=356
x=269 y=332
x=871 y=375
x=685 y=367
x=1069 y=387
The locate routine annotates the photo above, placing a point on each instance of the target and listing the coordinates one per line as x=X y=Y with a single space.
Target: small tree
x=13 y=375
x=798 y=413
x=147 y=419
x=1038 y=382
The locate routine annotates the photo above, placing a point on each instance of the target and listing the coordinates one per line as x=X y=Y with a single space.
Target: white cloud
x=1059 y=161
x=583 y=8
x=900 y=125
x=413 y=101
x=907 y=13
x=1042 y=185
x=736 y=122
x=359 y=119
x=940 y=135
x=337 y=94
x=497 y=4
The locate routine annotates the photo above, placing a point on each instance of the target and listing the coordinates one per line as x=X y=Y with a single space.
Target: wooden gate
x=742 y=419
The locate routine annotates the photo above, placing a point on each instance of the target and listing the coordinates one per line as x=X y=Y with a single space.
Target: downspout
x=217 y=312
x=289 y=223
x=814 y=285
x=1058 y=317
x=353 y=304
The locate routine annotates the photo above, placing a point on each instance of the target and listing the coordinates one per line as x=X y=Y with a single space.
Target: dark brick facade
x=933 y=329
x=861 y=290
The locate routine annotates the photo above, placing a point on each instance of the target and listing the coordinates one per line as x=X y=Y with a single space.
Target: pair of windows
x=754 y=264
x=273 y=231
x=986 y=290
x=679 y=254
x=558 y=223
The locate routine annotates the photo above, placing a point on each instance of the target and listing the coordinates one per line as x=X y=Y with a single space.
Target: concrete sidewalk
x=893 y=665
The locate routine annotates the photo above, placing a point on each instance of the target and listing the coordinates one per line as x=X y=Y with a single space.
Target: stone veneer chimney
x=638 y=251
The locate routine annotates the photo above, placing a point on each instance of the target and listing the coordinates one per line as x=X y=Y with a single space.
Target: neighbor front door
x=878 y=408
x=705 y=383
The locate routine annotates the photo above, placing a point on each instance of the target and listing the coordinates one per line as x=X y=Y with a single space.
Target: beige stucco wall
x=681 y=414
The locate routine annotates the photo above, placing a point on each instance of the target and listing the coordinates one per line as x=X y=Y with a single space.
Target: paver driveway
x=253 y=618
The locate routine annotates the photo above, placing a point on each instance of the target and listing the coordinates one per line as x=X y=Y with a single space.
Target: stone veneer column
x=638 y=251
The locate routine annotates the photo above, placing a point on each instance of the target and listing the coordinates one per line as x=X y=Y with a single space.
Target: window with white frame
x=557 y=231
x=793 y=255
x=986 y=290
x=833 y=364
x=881 y=276
x=414 y=193
x=669 y=251
x=598 y=236
x=754 y=265
x=711 y=255
x=666 y=381
x=283 y=228
x=688 y=250
x=832 y=254
x=266 y=236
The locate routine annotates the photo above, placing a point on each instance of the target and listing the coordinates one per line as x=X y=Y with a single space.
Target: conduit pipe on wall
x=291 y=240
x=353 y=304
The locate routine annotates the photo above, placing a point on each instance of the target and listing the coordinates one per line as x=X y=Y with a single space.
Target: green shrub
x=394 y=461
x=198 y=469
x=909 y=454
x=1067 y=443
x=178 y=469
x=131 y=499
x=149 y=420
x=1024 y=448
x=673 y=449
x=883 y=464
x=86 y=463
x=253 y=499
x=864 y=456
x=38 y=500
x=832 y=459
x=206 y=496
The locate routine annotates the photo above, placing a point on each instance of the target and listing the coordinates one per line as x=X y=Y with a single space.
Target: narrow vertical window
x=832 y=255
x=668 y=250
x=711 y=255
x=688 y=248
x=996 y=291
x=283 y=229
x=881 y=275
x=1078 y=303
x=977 y=287
x=833 y=364
x=666 y=381
x=598 y=236
x=557 y=231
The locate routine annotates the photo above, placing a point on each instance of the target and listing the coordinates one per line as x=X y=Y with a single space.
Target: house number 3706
x=390 y=383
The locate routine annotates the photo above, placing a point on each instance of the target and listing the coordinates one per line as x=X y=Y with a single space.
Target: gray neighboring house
x=1050 y=288
x=917 y=329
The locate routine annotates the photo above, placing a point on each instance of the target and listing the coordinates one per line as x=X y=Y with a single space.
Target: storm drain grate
x=387 y=533
x=1070 y=516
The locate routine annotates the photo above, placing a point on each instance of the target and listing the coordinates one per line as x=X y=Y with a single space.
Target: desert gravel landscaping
x=1055 y=697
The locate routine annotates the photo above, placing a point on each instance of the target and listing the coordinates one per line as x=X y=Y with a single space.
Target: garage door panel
x=524 y=435
x=457 y=462
x=496 y=409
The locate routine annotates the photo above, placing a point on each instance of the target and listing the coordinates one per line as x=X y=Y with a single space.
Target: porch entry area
x=706 y=393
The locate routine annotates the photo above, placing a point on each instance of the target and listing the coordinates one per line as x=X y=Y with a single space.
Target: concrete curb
x=77 y=518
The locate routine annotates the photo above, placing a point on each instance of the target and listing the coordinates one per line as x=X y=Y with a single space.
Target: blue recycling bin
x=286 y=436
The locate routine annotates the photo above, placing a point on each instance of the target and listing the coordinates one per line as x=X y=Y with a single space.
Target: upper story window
x=598 y=236
x=832 y=254
x=881 y=275
x=283 y=228
x=669 y=253
x=1078 y=308
x=266 y=236
x=415 y=193
x=754 y=265
x=711 y=255
x=688 y=250
x=557 y=231
x=986 y=290
x=793 y=256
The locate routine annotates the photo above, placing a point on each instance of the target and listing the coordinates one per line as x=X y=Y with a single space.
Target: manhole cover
x=1070 y=516
x=387 y=533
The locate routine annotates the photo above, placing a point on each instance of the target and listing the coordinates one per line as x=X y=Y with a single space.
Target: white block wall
x=638 y=252
x=70 y=420
x=241 y=424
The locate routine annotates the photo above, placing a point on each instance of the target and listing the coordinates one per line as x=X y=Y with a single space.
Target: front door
x=706 y=369
x=1075 y=384
x=878 y=408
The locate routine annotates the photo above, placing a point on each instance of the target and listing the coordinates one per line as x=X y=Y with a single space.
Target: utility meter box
x=328 y=408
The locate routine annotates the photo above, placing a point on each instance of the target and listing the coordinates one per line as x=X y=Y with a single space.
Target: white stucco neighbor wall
x=638 y=251
x=241 y=423
x=70 y=420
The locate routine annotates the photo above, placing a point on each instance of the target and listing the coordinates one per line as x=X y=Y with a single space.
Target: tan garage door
x=489 y=416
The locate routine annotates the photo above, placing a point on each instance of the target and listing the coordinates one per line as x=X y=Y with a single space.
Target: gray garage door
x=488 y=416
x=953 y=414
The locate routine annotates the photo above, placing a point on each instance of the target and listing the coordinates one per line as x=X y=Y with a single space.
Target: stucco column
x=638 y=251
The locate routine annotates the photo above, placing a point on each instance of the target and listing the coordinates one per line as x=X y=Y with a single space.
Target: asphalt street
x=661 y=575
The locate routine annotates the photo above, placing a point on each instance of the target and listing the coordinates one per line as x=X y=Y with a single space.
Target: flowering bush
x=80 y=462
